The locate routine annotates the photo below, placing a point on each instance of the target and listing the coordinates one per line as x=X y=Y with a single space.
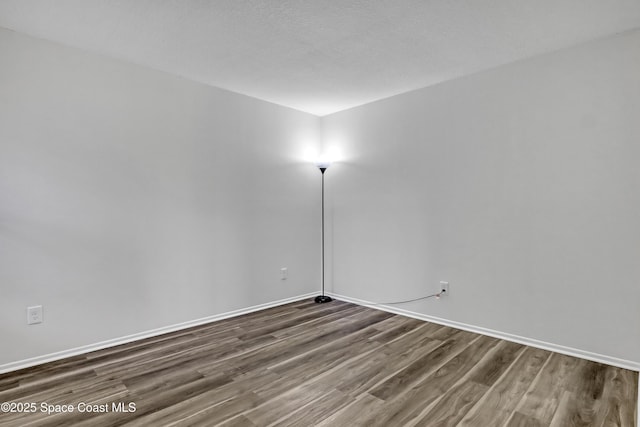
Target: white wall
x=519 y=185
x=132 y=200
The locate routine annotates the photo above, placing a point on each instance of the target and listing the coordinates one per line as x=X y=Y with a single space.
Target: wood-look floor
x=336 y=364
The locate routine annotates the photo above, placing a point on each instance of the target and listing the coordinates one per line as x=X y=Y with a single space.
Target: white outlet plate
x=444 y=286
x=34 y=315
x=284 y=273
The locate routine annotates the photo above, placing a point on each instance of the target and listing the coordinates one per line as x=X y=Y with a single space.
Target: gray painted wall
x=132 y=200
x=518 y=185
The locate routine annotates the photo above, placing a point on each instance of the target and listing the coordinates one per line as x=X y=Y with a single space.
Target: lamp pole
x=322 y=298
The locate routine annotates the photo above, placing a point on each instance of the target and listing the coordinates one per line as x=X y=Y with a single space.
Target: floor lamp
x=322 y=298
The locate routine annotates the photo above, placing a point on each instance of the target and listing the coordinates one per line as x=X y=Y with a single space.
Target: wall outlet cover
x=444 y=286
x=34 y=315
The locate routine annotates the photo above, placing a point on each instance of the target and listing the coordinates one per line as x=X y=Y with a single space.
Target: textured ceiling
x=320 y=56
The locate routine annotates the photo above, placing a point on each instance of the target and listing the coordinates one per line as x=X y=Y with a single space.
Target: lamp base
x=320 y=299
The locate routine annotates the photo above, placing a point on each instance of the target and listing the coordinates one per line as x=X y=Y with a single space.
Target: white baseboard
x=595 y=357
x=21 y=364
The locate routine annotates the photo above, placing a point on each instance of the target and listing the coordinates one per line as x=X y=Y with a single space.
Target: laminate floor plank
x=205 y=407
x=274 y=326
x=155 y=362
x=47 y=371
x=318 y=321
x=543 y=397
x=407 y=407
x=239 y=421
x=422 y=367
x=621 y=392
x=583 y=402
x=355 y=414
x=389 y=332
x=290 y=348
x=414 y=338
x=322 y=408
x=519 y=419
x=281 y=406
x=323 y=358
x=368 y=373
x=454 y=403
x=337 y=364
x=47 y=387
x=156 y=401
x=499 y=402
x=488 y=373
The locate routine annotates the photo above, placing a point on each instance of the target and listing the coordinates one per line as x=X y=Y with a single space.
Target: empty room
x=252 y=213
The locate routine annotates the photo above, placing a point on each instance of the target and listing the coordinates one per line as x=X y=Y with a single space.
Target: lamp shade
x=323 y=164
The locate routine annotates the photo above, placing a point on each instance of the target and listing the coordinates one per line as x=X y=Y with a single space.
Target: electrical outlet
x=284 y=273
x=34 y=315
x=444 y=288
